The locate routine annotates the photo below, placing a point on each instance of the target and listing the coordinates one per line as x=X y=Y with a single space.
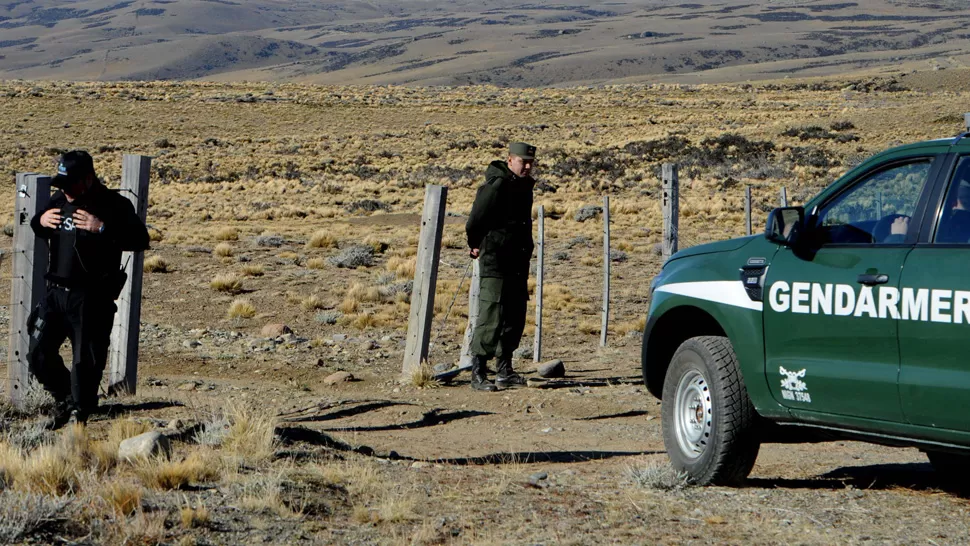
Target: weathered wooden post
x=465 y=361
x=30 y=256
x=123 y=359
x=606 y=270
x=540 y=279
x=425 y=277
x=671 y=209
x=784 y=196
x=747 y=210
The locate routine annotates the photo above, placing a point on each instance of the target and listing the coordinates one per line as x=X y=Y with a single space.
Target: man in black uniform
x=87 y=226
x=499 y=231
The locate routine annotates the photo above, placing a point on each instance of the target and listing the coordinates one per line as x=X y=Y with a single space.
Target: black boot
x=480 y=380
x=507 y=376
x=61 y=415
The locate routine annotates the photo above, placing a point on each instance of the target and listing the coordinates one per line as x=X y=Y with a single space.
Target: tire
x=703 y=380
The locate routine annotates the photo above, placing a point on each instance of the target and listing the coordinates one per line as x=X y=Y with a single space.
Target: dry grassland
x=299 y=205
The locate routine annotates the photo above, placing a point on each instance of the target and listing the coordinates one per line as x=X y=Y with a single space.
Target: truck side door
x=830 y=334
x=934 y=343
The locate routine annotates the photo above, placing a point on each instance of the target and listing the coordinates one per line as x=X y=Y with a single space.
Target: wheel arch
x=665 y=333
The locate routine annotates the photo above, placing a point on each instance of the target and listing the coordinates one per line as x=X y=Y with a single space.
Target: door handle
x=872 y=279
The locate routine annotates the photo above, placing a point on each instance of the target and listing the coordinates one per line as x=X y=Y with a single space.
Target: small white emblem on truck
x=792 y=386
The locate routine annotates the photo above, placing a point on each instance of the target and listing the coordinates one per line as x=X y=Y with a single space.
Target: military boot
x=480 y=380
x=507 y=376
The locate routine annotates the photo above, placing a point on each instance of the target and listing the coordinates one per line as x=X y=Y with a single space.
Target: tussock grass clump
x=263 y=493
x=402 y=267
x=253 y=270
x=122 y=497
x=227 y=282
x=625 y=328
x=322 y=239
x=227 y=234
x=377 y=244
x=660 y=476
x=251 y=437
x=223 y=250
x=422 y=377
x=316 y=263
x=155 y=264
x=166 y=475
x=348 y=305
x=241 y=308
x=194 y=516
x=312 y=303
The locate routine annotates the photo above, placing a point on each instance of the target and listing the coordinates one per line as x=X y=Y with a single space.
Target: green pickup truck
x=848 y=318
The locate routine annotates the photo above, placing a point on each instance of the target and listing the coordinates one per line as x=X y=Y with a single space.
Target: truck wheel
x=708 y=419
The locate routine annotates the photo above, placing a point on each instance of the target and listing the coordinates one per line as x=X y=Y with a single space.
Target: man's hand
x=51 y=219
x=87 y=221
x=900 y=226
x=474 y=253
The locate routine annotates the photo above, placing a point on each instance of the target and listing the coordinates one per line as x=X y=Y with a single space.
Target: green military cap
x=523 y=150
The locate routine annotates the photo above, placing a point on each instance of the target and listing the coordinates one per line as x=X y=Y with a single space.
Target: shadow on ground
x=913 y=476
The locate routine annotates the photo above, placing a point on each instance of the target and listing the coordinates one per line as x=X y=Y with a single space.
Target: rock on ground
x=275 y=330
x=144 y=446
x=338 y=377
x=554 y=368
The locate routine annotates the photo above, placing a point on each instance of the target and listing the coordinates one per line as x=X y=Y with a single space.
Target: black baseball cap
x=73 y=167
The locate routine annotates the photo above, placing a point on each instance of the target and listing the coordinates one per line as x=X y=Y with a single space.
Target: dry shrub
x=377 y=244
x=422 y=376
x=227 y=234
x=223 y=250
x=322 y=239
x=264 y=493
x=348 y=305
x=155 y=235
x=316 y=263
x=51 y=470
x=122 y=497
x=155 y=264
x=251 y=438
x=661 y=476
x=253 y=270
x=364 y=321
x=166 y=475
x=591 y=260
x=312 y=303
x=590 y=327
x=23 y=513
x=194 y=516
x=404 y=268
x=227 y=282
x=241 y=308
x=11 y=464
x=143 y=528
x=638 y=325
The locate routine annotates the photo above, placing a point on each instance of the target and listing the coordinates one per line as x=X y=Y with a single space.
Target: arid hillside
x=498 y=42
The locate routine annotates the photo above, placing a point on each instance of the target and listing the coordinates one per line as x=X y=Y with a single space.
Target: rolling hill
x=500 y=42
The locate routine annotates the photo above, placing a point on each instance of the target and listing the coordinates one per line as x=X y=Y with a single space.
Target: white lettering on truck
x=885 y=302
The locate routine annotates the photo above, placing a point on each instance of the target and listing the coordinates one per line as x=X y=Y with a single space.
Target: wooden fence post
x=966 y=120
x=425 y=278
x=30 y=256
x=465 y=361
x=671 y=209
x=606 y=269
x=540 y=279
x=784 y=196
x=123 y=359
x=747 y=210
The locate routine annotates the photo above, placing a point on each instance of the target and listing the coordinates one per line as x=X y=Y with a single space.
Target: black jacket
x=99 y=253
x=500 y=223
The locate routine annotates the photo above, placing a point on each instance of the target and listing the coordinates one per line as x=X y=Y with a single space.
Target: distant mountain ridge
x=502 y=42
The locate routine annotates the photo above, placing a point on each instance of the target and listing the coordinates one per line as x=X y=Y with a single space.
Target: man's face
x=77 y=187
x=520 y=167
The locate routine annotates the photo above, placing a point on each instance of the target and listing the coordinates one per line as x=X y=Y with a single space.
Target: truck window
x=954 y=227
x=877 y=209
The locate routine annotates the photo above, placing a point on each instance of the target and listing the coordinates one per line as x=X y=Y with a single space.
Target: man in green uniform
x=499 y=231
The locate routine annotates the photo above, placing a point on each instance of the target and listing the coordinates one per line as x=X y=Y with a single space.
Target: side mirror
x=785 y=225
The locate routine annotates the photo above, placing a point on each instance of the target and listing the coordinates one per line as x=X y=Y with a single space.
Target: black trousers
x=86 y=318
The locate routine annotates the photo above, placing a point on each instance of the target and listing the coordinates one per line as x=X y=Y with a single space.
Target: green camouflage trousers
x=501 y=316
